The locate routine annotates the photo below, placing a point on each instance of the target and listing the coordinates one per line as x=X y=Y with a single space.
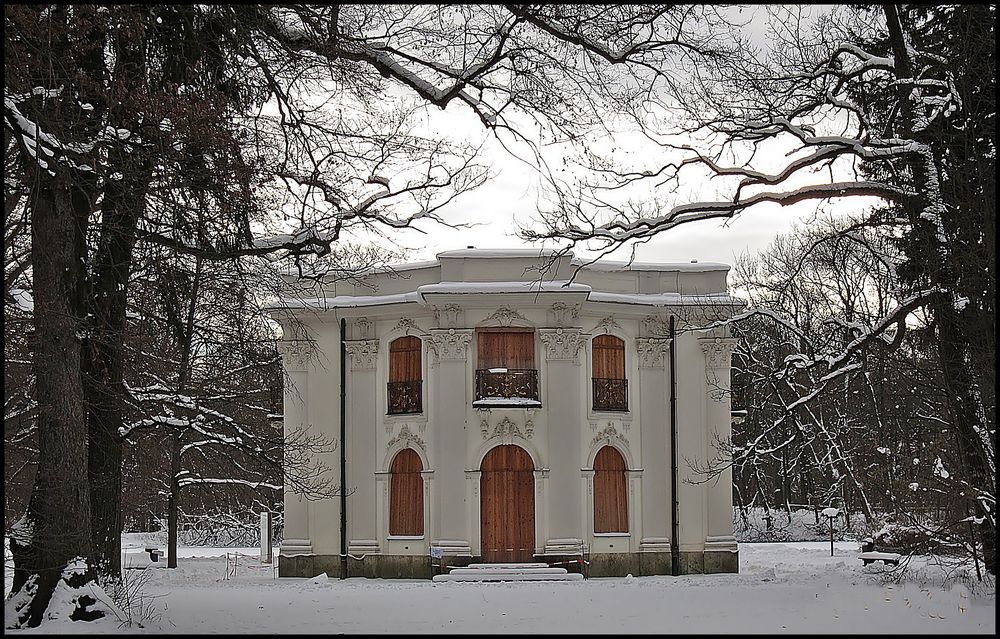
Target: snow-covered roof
x=520 y=271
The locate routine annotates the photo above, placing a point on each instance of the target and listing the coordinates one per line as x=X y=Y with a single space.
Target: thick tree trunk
x=123 y=205
x=103 y=364
x=49 y=543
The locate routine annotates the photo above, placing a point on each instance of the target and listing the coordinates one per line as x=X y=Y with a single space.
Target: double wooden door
x=507 y=505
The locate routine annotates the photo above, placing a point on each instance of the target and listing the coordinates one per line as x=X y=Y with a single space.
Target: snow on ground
x=782 y=587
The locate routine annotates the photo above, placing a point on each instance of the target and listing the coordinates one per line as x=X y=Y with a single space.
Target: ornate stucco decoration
x=406 y=437
x=718 y=351
x=506 y=429
x=609 y=435
x=562 y=343
x=448 y=316
x=408 y=327
x=450 y=344
x=652 y=351
x=564 y=313
x=607 y=325
x=362 y=354
x=505 y=316
x=295 y=354
x=364 y=328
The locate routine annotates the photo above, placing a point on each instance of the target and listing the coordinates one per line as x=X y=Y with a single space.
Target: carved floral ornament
x=565 y=313
x=295 y=353
x=362 y=354
x=364 y=327
x=505 y=316
x=506 y=429
x=561 y=343
x=407 y=326
x=607 y=325
x=450 y=344
x=608 y=436
x=718 y=351
x=407 y=438
x=652 y=351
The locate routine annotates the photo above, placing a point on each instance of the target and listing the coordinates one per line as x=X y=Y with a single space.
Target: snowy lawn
x=782 y=587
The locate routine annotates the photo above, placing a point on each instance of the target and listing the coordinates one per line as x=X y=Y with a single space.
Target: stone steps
x=508 y=572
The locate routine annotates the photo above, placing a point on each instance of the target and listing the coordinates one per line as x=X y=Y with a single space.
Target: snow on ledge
x=506 y=401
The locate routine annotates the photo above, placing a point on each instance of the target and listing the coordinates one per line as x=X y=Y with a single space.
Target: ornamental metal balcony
x=610 y=394
x=405 y=397
x=506 y=387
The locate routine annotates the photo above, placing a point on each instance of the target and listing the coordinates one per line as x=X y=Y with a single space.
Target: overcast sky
x=509 y=200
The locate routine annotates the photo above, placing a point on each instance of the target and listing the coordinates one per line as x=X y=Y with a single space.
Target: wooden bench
x=885 y=557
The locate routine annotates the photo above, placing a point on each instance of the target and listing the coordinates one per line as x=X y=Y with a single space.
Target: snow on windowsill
x=405 y=537
x=624 y=534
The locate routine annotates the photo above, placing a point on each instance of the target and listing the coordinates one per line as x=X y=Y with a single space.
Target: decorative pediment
x=718 y=351
x=362 y=354
x=652 y=351
x=562 y=343
x=506 y=429
x=450 y=344
x=407 y=438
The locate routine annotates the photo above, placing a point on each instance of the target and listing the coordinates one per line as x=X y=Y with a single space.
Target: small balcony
x=610 y=394
x=506 y=387
x=405 y=397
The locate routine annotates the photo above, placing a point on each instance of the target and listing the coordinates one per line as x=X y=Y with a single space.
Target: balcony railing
x=610 y=394
x=507 y=384
x=404 y=397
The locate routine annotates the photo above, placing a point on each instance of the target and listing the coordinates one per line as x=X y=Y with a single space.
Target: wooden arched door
x=507 y=505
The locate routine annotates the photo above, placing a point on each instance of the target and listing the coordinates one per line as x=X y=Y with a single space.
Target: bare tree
x=893 y=102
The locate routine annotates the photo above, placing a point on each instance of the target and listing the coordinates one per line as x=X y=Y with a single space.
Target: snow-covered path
x=782 y=588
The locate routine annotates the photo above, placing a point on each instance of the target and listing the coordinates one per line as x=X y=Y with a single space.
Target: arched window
x=405 y=376
x=610 y=385
x=406 y=494
x=610 y=494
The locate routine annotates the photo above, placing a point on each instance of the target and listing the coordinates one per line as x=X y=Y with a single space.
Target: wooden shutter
x=506 y=348
x=406 y=494
x=610 y=492
x=404 y=360
x=609 y=357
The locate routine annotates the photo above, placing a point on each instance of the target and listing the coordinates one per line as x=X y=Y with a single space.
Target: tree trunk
x=55 y=533
x=967 y=415
x=123 y=205
x=103 y=363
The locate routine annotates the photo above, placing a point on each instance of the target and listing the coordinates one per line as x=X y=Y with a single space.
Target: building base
x=422 y=567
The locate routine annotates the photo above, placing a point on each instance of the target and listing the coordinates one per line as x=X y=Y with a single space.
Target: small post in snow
x=831 y=514
x=266 y=541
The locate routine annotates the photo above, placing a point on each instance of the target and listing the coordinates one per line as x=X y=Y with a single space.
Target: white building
x=498 y=412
